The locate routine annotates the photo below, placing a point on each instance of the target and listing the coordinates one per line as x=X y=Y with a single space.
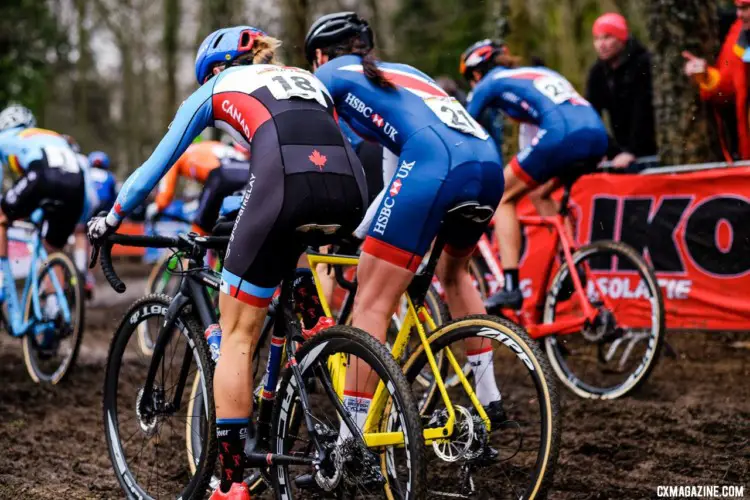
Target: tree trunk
x=295 y=14
x=685 y=131
x=83 y=65
x=171 y=44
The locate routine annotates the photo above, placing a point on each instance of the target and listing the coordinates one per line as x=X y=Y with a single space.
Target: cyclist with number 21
x=570 y=131
x=303 y=172
x=445 y=160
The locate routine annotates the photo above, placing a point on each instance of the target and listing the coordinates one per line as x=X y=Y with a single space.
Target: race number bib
x=282 y=82
x=450 y=112
x=62 y=158
x=288 y=83
x=555 y=89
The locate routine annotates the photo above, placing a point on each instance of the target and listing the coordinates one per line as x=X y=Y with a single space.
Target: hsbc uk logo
x=360 y=107
x=389 y=202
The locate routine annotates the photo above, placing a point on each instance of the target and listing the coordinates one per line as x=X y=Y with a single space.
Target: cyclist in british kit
x=303 y=172
x=222 y=170
x=445 y=158
x=569 y=131
x=49 y=177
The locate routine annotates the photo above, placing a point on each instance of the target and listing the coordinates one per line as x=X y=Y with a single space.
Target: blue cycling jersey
x=105 y=185
x=569 y=131
x=445 y=156
x=391 y=116
x=19 y=147
x=223 y=102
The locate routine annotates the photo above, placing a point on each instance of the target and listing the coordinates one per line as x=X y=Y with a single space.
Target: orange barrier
x=693 y=227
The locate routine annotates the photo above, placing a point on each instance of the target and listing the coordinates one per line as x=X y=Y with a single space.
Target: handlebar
x=187 y=242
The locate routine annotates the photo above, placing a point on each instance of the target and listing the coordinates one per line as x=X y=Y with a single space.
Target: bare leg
x=381 y=284
x=240 y=328
x=507 y=227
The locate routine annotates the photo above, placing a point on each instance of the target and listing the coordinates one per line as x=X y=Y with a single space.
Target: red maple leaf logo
x=395 y=187
x=318 y=159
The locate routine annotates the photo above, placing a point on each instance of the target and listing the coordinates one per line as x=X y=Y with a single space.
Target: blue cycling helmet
x=224 y=46
x=99 y=159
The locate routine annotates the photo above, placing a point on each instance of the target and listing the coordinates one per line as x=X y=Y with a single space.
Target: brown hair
x=359 y=47
x=263 y=51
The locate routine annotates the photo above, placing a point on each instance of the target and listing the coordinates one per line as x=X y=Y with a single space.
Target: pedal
x=305 y=481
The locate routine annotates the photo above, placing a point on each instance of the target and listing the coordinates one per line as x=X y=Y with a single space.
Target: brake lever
x=94 y=256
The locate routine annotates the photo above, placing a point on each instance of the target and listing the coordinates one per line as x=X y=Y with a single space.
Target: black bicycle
x=146 y=399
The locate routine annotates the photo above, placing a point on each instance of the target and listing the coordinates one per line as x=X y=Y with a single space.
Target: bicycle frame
x=561 y=327
x=416 y=317
x=17 y=325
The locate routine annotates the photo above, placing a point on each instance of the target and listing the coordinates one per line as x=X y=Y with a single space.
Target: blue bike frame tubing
x=19 y=327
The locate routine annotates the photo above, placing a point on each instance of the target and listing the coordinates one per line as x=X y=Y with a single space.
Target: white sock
x=357 y=404
x=80 y=256
x=484 y=375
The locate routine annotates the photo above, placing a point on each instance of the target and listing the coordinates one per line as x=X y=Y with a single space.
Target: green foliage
x=432 y=35
x=30 y=43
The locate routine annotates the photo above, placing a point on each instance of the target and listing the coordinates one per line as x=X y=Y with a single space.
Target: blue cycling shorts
x=565 y=137
x=438 y=168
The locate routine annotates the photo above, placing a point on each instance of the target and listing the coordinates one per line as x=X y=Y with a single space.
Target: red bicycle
x=602 y=341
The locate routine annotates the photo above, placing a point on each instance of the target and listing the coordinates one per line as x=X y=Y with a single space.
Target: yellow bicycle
x=509 y=457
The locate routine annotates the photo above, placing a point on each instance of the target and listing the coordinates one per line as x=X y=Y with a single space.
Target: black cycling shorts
x=371 y=156
x=59 y=193
x=231 y=176
x=303 y=172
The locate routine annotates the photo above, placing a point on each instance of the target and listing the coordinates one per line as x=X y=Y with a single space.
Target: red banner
x=694 y=228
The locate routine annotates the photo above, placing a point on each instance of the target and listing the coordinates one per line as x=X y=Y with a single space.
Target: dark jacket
x=626 y=94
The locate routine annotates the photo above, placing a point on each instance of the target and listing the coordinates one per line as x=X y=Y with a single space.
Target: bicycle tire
x=477 y=269
x=77 y=315
x=517 y=340
x=154 y=286
x=188 y=325
x=656 y=339
x=367 y=348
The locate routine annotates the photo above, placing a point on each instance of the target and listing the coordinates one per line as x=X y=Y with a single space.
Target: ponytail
x=357 y=46
x=263 y=51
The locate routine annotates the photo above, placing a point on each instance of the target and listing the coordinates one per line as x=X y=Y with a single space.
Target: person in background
x=620 y=84
x=103 y=179
x=726 y=83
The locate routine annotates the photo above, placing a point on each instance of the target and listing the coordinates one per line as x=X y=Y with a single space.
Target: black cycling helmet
x=480 y=55
x=334 y=28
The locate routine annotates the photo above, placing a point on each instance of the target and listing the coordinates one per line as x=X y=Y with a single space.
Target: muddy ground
x=690 y=425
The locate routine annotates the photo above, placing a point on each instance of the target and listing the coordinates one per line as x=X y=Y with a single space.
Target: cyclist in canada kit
x=303 y=172
x=445 y=158
x=569 y=131
x=49 y=177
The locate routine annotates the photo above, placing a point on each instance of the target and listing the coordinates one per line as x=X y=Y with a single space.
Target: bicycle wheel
x=164 y=278
x=50 y=355
x=144 y=446
x=616 y=354
x=517 y=457
x=350 y=469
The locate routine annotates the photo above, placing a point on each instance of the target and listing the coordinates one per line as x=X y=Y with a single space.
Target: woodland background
x=113 y=72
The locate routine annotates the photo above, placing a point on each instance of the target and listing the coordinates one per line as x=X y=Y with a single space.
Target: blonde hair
x=264 y=51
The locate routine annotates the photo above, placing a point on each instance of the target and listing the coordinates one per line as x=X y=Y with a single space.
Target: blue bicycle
x=49 y=313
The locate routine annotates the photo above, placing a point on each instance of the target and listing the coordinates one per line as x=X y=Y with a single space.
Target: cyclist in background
x=570 y=131
x=220 y=168
x=103 y=179
x=49 y=176
x=303 y=172
x=443 y=161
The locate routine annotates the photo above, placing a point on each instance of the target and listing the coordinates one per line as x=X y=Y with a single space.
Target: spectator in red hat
x=726 y=82
x=620 y=84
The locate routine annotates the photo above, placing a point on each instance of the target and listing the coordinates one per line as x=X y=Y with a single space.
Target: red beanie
x=612 y=24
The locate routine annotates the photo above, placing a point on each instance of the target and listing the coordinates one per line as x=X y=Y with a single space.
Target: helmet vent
x=218 y=39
